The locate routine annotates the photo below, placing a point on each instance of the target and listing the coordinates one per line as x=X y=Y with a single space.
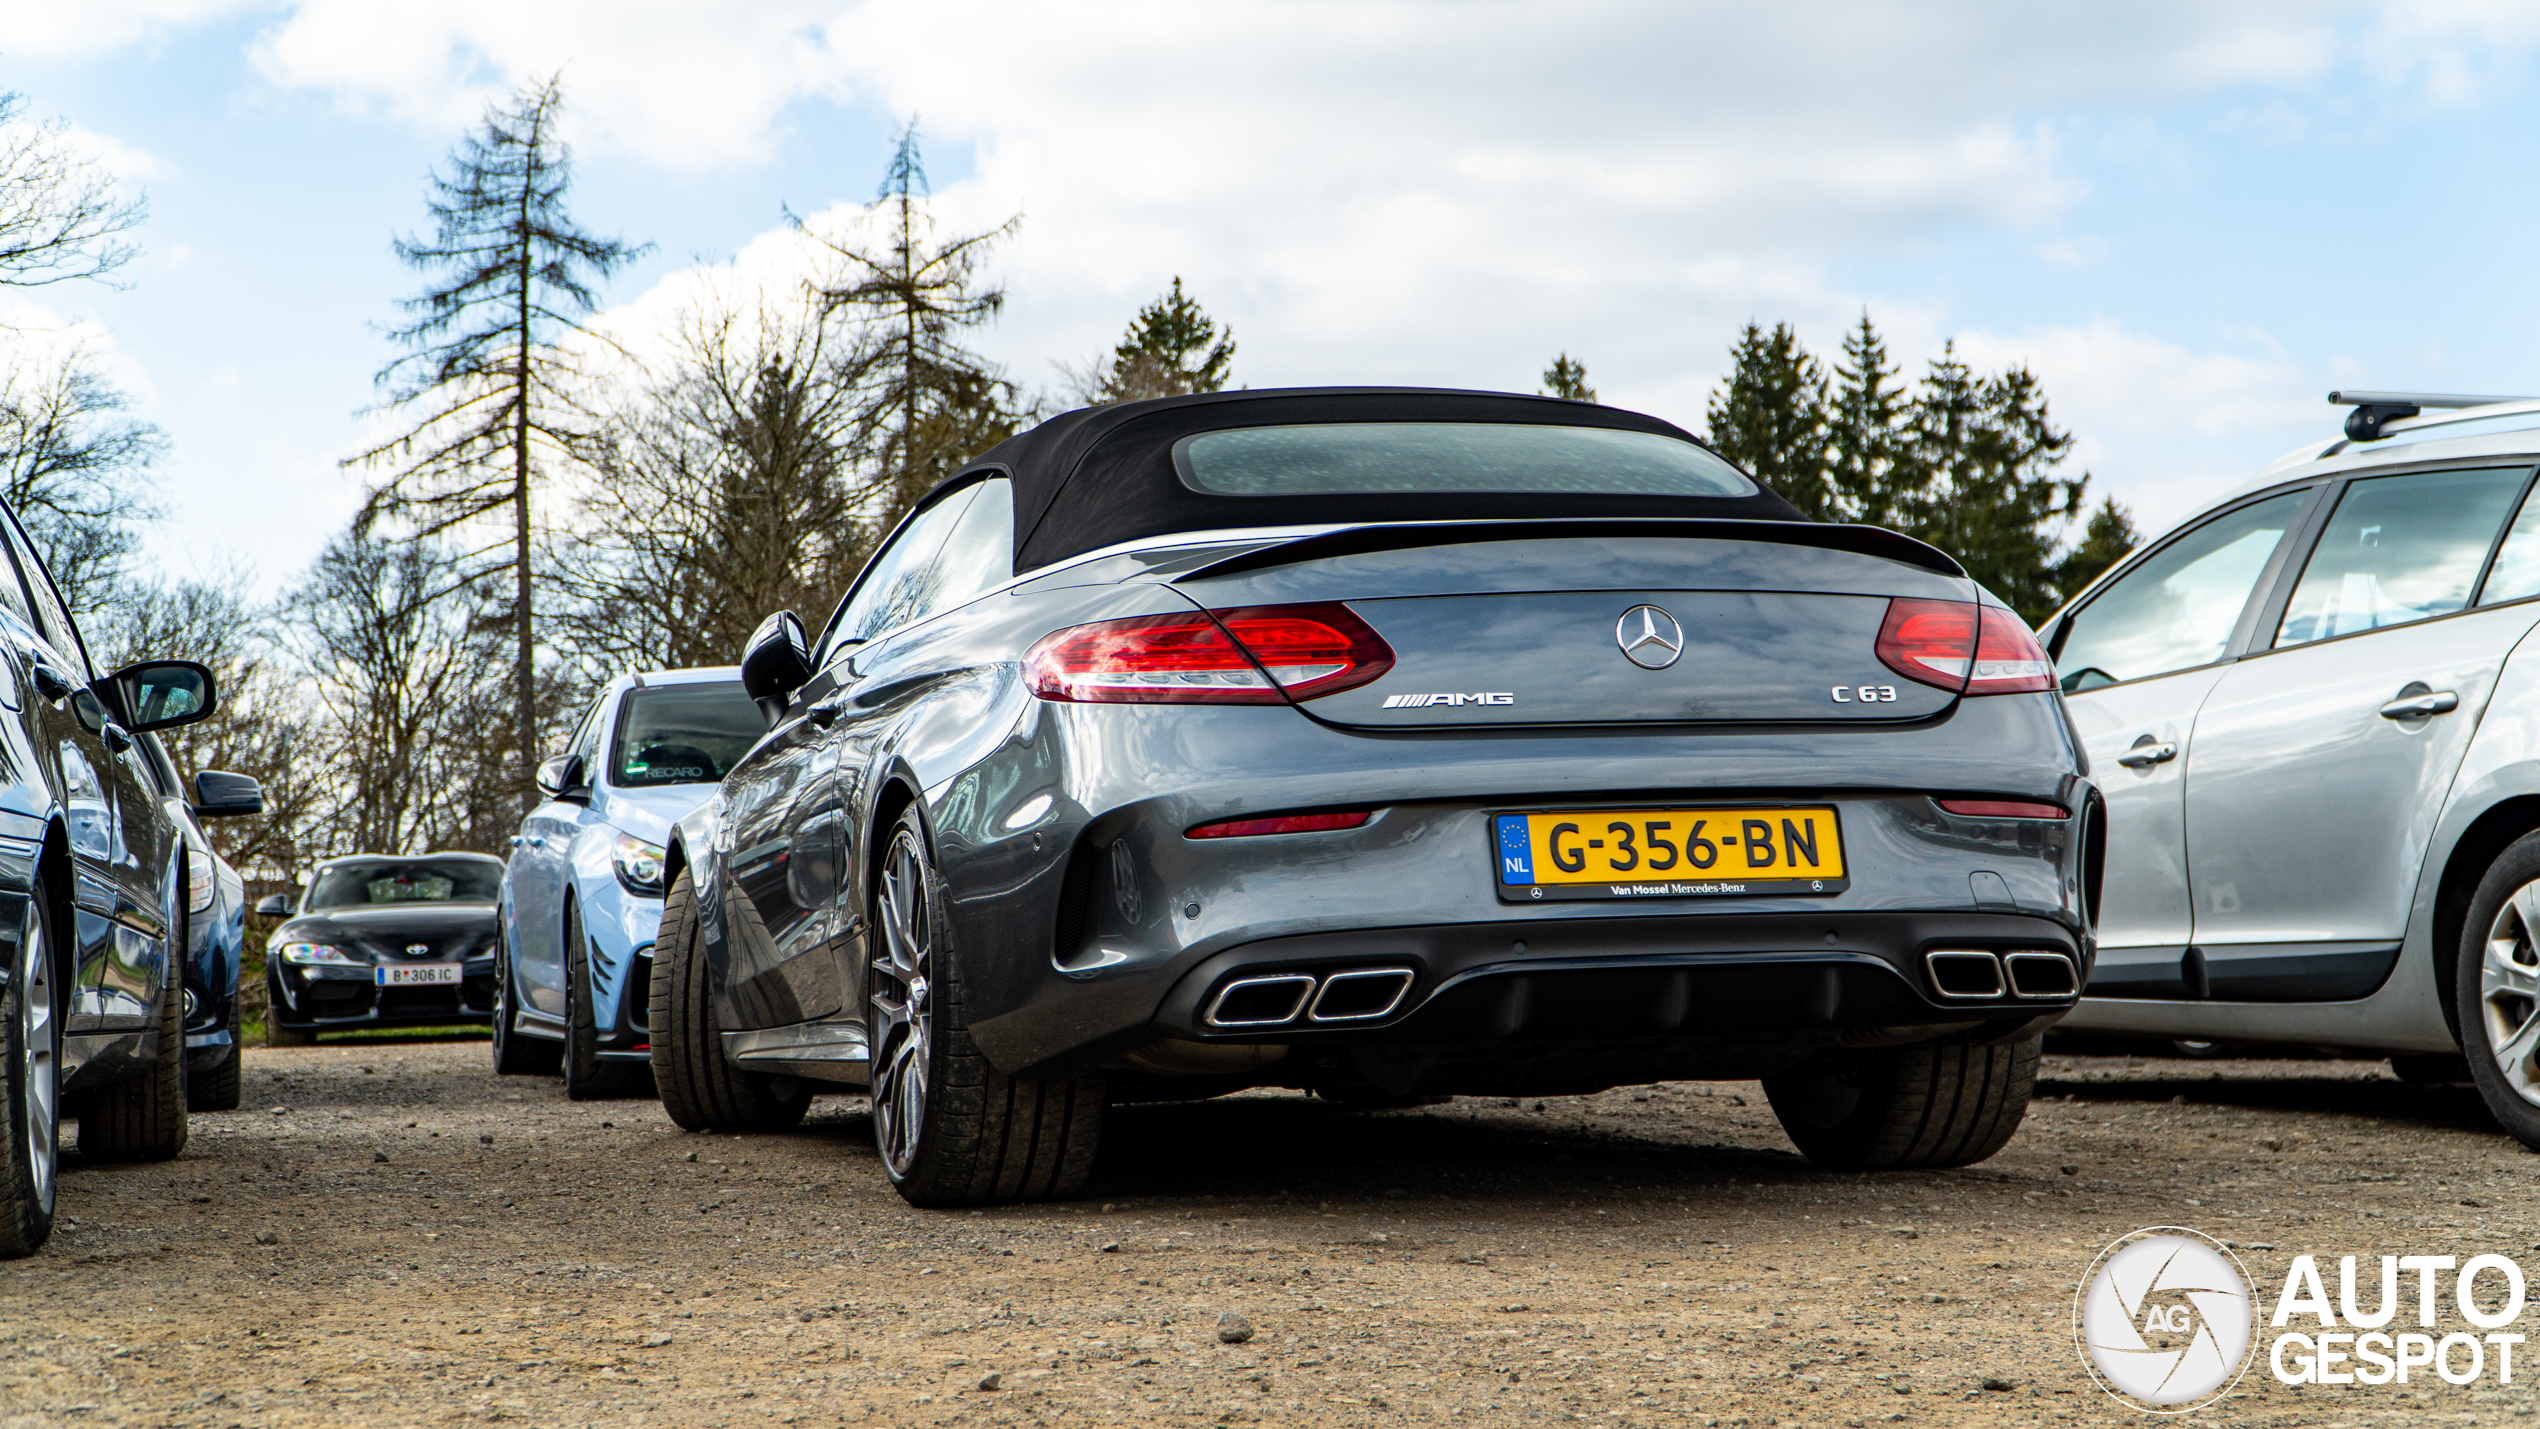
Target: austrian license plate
x=420 y=975
x=1669 y=853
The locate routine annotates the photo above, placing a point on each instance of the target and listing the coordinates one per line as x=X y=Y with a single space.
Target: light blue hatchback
x=582 y=893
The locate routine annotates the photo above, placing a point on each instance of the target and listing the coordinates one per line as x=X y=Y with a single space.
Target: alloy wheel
x=903 y=1003
x=2509 y=991
x=39 y=1112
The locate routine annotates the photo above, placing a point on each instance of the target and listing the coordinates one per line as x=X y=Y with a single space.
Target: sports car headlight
x=325 y=953
x=638 y=864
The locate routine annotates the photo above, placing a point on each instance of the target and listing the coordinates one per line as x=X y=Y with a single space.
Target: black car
x=93 y=900
x=384 y=940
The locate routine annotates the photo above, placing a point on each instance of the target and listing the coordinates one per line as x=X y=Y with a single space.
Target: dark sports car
x=385 y=941
x=1384 y=743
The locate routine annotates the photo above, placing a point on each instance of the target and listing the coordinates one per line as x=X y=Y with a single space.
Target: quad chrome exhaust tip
x=2041 y=974
x=1972 y=974
x=1277 y=999
x=1965 y=974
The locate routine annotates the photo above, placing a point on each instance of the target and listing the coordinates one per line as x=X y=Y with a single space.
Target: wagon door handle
x=2421 y=703
x=2147 y=752
x=825 y=713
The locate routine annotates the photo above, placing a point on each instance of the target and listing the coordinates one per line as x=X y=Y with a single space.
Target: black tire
x=30 y=1120
x=700 y=1088
x=517 y=1054
x=1907 y=1108
x=216 y=1088
x=953 y=1130
x=586 y=1077
x=2500 y=1026
x=143 y=1119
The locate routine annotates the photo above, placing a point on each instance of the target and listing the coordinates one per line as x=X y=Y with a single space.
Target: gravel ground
x=389 y=1234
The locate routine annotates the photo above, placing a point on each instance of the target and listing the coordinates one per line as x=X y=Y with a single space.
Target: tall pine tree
x=1172 y=348
x=485 y=386
x=1862 y=436
x=1771 y=418
x=928 y=402
x=1566 y=378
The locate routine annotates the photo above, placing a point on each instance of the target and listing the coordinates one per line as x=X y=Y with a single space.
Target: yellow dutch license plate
x=1669 y=853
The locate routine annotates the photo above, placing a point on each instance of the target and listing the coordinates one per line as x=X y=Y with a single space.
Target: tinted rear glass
x=1366 y=458
x=373 y=885
x=683 y=734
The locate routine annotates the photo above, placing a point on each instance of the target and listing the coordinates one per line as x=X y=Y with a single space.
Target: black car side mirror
x=219 y=794
x=776 y=663
x=563 y=778
x=161 y=694
x=274 y=905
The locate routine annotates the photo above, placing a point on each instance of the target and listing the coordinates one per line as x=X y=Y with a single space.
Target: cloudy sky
x=2191 y=219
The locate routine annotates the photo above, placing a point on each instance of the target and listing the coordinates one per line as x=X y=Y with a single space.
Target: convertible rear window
x=683 y=734
x=1369 y=458
x=372 y=885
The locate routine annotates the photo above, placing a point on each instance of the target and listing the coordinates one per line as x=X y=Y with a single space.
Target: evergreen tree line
x=549 y=504
x=1967 y=461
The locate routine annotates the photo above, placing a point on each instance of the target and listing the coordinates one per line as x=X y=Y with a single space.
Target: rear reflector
x=1251 y=655
x=1958 y=645
x=2003 y=809
x=1284 y=824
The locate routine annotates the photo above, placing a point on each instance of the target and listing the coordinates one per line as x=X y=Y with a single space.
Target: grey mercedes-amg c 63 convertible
x=1387 y=744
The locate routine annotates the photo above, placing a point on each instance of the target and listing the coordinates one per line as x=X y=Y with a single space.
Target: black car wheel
x=2496 y=989
x=700 y=1087
x=586 y=1077
x=953 y=1130
x=31 y=1041
x=143 y=1119
x=1907 y=1108
x=515 y=1054
x=216 y=1088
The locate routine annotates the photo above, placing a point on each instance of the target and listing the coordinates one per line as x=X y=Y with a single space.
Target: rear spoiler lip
x=1387 y=536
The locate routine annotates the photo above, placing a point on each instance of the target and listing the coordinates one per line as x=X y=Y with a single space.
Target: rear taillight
x=1250 y=655
x=1929 y=641
x=1283 y=824
x=1959 y=645
x=2008 y=661
x=2003 y=809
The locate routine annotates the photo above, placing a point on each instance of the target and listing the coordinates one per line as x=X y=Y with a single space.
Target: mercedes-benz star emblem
x=1650 y=637
x=416 y=950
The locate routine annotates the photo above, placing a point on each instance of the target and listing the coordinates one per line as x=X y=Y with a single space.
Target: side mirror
x=776 y=663
x=222 y=795
x=562 y=778
x=162 y=694
x=274 y=905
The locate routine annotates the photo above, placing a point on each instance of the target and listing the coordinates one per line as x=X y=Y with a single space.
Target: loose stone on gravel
x=1233 y=1329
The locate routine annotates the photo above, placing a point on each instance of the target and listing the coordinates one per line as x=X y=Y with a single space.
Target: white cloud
x=37 y=29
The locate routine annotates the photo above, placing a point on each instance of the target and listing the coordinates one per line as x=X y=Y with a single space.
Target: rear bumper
x=1548 y=1007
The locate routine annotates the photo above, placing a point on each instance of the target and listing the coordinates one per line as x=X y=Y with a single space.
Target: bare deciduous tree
x=61 y=215
x=728 y=487
x=75 y=466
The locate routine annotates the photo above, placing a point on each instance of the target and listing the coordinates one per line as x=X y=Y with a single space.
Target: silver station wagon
x=2315 y=714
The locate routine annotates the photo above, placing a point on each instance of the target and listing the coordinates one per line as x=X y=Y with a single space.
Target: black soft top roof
x=1101 y=475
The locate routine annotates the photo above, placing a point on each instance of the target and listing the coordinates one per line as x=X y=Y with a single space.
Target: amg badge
x=1415 y=702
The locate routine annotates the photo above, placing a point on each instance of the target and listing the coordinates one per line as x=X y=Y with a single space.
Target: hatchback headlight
x=326 y=954
x=638 y=864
